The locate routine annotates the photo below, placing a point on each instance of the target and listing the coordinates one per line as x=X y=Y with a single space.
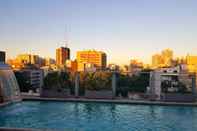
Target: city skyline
x=138 y=30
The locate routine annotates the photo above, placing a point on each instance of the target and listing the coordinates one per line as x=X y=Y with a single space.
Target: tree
x=95 y=80
x=123 y=85
x=64 y=79
x=51 y=81
x=56 y=80
x=139 y=83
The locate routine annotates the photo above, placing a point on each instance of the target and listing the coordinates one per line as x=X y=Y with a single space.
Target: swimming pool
x=76 y=116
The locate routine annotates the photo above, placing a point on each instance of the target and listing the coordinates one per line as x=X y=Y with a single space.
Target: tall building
x=2 y=56
x=167 y=56
x=96 y=58
x=156 y=61
x=62 y=54
x=165 y=59
x=191 y=62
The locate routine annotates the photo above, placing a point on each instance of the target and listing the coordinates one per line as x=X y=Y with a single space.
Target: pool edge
x=23 y=129
x=116 y=101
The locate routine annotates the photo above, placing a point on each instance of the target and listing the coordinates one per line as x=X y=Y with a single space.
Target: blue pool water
x=98 y=117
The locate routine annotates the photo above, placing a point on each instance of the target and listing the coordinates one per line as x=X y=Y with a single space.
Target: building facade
x=34 y=76
x=167 y=56
x=165 y=59
x=171 y=84
x=2 y=56
x=71 y=65
x=92 y=57
x=49 y=61
x=24 y=59
x=62 y=54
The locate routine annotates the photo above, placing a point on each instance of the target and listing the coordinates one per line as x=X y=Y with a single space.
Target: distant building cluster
x=35 y=68
x=165 y=68
x=23 y=60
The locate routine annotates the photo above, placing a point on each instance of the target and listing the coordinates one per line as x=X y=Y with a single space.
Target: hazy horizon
x=124 y=29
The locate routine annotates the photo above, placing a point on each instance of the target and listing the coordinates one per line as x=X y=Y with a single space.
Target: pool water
x=75 y=116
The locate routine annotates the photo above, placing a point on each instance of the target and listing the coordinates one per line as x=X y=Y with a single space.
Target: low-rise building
x=34 y=78
x=172 y=81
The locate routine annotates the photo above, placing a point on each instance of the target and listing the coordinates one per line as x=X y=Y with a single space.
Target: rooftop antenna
x=66 y=36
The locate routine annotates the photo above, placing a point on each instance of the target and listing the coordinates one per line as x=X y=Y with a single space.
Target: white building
x=169 y=80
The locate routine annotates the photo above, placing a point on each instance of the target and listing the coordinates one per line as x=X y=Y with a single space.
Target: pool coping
x=116 y=101
x=5 y=104
x=23 y=129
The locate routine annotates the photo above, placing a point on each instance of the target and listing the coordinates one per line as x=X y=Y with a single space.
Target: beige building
x=167 y=56
x=156 y=61
x=91 y=57
x=165 y=59
x=191 y=62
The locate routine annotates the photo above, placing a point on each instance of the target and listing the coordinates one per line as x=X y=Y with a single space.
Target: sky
x=124 y=29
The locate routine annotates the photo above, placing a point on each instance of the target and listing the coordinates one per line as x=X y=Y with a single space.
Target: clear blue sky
x=124 y=29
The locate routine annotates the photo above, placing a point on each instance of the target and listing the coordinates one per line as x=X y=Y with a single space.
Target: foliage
x=95 y=80
x=123 y=85
x=137 y=83
x=182 y=88
x=57 y=80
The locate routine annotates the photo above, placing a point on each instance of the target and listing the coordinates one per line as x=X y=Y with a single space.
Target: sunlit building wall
x=28 y=59
x=191 y=60
x=62 y=54
x=23 y=59
x=191 y=63
x=97 y=58
x=165 y=59
x=156 y=60
x=71 y=65
x=167 y=56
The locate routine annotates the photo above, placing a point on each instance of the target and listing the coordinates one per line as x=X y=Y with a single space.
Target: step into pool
x=90 y=116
